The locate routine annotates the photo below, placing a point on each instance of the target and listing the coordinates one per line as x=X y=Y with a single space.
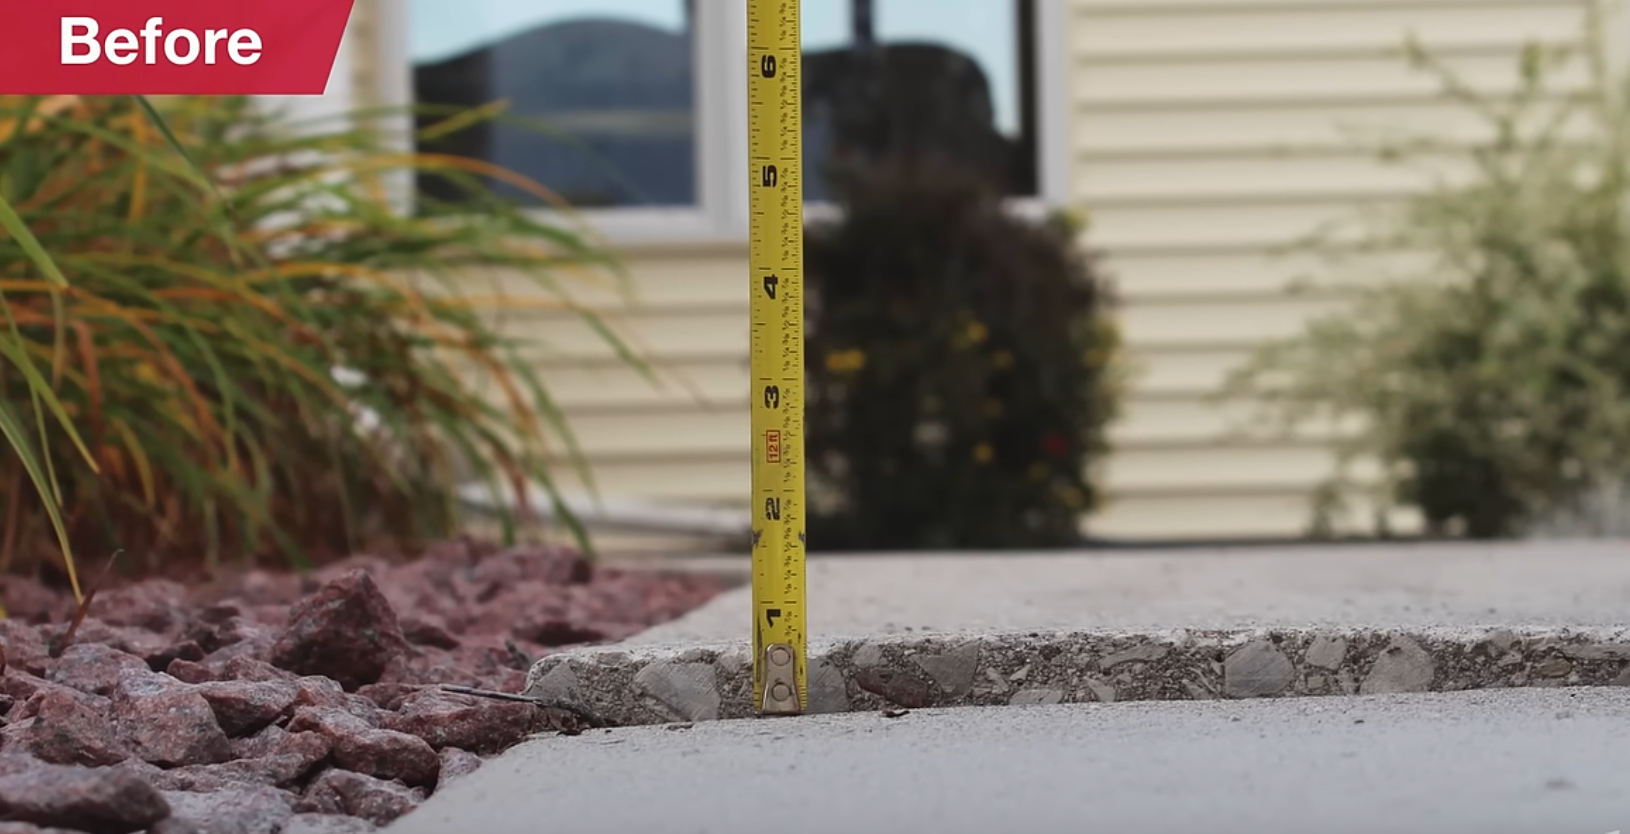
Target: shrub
x=960 y=366
x=261 y=357
x=1490 y=377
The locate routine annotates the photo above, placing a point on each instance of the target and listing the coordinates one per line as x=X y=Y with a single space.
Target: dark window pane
x=952 y=80
x=608 y=84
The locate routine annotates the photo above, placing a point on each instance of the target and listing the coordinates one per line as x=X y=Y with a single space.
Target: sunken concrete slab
x=1515 y=761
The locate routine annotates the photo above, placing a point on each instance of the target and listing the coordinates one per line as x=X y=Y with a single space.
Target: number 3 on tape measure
x=776 y=261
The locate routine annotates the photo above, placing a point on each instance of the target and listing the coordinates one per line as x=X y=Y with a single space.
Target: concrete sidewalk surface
x=1526 y=761
x=924 y=630
x=1141 y=690
x=1374 y=586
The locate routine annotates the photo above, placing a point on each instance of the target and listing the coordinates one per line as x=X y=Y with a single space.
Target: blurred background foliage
x=236 y=346
x=1489 y=380
x=963 y=366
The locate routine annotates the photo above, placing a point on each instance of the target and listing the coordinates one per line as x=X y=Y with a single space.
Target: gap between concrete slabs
x=632 y=685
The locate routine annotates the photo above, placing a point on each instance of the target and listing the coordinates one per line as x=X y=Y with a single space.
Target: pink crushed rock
x=274 y=701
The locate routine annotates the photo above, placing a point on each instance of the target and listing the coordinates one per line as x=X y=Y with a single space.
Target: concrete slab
x=1508 y=762
x=1374 y=586
x=918 y=631
x=631 y=685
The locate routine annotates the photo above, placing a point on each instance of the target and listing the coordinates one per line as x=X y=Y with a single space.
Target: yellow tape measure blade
x=776 y=345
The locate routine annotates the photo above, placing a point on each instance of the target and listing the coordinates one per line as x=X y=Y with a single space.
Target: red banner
x=169 y=47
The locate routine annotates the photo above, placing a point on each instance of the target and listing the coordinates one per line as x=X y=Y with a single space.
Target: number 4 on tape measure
x=776 y=262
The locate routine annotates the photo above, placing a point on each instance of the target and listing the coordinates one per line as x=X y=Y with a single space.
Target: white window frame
x=720 y=214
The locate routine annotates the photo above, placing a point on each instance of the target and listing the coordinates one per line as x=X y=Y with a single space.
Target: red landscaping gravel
x=282 y=704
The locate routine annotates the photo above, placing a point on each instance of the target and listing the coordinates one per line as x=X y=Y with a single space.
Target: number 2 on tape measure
x=776 y=260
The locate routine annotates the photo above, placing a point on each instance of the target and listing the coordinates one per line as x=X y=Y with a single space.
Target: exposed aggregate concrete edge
x=632 y=685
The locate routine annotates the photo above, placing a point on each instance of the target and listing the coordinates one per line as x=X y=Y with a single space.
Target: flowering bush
x=961 y=370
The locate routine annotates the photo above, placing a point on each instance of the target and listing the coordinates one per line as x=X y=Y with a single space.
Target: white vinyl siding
x=1204 y=134
x=1208 y=134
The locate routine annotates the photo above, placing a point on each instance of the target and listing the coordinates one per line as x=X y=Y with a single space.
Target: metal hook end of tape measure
x=780 y=684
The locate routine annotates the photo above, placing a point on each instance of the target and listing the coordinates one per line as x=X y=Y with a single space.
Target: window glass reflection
x=606 y=91
x=605 y=86
x=951 y=79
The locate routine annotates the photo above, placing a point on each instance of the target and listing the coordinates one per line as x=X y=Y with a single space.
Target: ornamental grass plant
x=224 y=341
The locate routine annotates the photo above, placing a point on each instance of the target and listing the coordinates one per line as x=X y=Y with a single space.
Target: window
x=608 y=88
x=630 y=109
x=945 y=77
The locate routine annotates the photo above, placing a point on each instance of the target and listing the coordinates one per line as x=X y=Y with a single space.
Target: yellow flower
x=145 y=372
x=1002 y=360
x=843 y=361
x=983 y=453
x=977 y=332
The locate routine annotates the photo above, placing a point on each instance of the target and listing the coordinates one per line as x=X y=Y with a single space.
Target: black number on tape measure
x=766 y=66
x=772 y=396
x=772 y=509
x=767 y=176
x=770 y=282
x=770 y=615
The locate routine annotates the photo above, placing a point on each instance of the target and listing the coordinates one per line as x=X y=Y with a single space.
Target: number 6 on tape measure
x=776 y=260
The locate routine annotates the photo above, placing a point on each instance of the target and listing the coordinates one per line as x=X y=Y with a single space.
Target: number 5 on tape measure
x=776 y=260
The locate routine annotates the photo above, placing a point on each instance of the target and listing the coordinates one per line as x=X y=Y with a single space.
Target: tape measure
x=776 y=261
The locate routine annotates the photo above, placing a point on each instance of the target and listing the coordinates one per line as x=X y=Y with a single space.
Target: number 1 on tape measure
x=776 y=260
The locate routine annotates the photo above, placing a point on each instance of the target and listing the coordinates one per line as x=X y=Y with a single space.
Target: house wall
x=1206 y=135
